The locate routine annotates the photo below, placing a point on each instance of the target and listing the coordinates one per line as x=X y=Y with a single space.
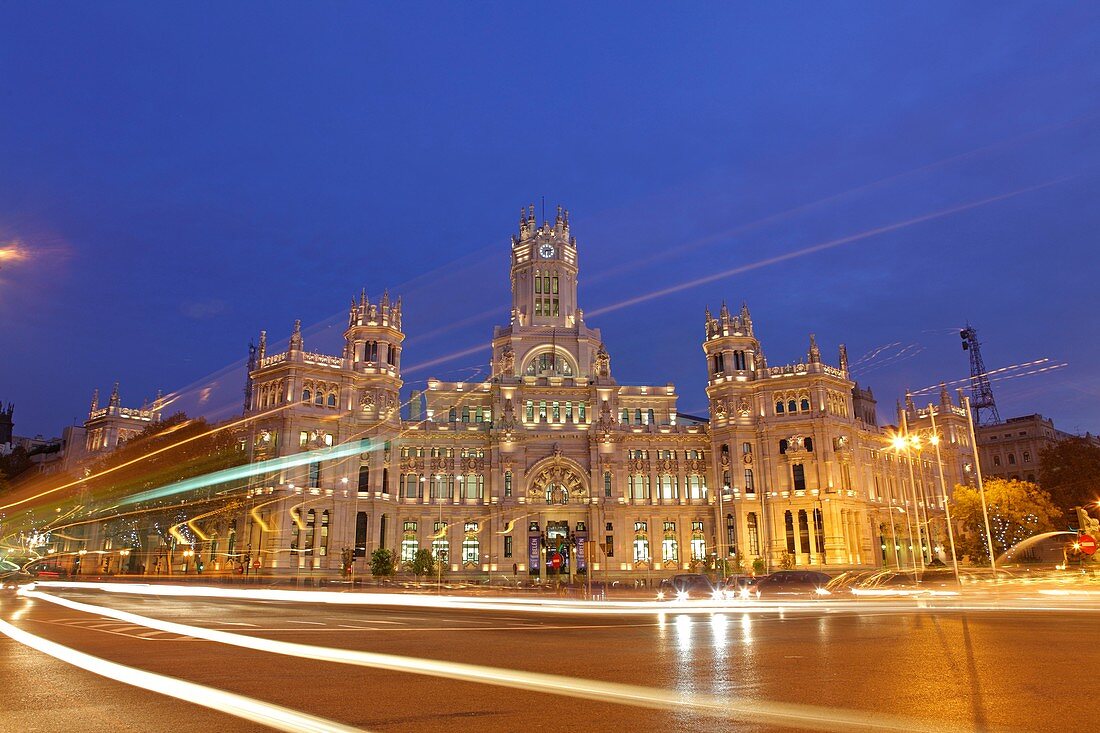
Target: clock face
x=546 y=250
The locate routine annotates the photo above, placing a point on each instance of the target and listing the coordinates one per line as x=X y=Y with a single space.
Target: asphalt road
x=978 y=670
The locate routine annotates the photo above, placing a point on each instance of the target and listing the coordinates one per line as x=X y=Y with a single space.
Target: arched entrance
x=558 y=494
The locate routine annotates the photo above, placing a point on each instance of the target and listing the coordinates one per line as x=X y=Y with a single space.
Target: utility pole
x=943 y=492
x=981 y=487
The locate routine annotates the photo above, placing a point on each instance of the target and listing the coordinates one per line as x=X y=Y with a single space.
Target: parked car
x=793 y=583
x=688 y=587
x=739 y=586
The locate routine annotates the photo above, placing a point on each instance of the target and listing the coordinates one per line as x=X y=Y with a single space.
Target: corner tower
x=373 y=349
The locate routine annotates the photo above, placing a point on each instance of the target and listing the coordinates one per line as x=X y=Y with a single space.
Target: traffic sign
x=556 y=560
x=1087 y=544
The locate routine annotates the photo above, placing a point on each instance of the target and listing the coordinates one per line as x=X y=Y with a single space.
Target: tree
x=382 y=563
x=1070 y=471
x=1017 y=510
x=423 y=563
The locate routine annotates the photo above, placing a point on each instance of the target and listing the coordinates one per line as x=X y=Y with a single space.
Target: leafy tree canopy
x=1017 y=510
x=1070 y=471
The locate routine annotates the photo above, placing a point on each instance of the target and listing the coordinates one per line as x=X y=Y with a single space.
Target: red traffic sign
x=1087 y=544
x=556 y=560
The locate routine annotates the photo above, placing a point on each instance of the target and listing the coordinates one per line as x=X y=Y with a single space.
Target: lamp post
x=124 y=557
x=899 y=444
x=722 y=531
x=981 y=487
x=935 y=440
x=187 y=555
x=912 y=486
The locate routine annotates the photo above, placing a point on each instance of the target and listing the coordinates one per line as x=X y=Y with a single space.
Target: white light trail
x=775 y=713
x=256 y=711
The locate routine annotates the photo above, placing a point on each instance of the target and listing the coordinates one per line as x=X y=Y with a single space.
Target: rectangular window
x=538 y=285
x=569 y=412
x=408 y=550
x=582 y=412
x=530 y=411
x=607 y=484
x=609 y=545
x=507 y=483
x=314 y=475
x=554 y=286
x=507 y=545
x=799 y=474
x=364 y=478
x=303 y=439
x=542 y=410
x=361 y=534
x=538 y=306
x=556 y=412
x=750 y=487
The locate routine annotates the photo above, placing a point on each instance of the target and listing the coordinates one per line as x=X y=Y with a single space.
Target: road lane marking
x=311 y=623
x=273 y=716
x=755 y=710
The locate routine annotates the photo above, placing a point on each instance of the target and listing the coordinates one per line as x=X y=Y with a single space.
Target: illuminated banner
x=533 y=553
x=582 y=561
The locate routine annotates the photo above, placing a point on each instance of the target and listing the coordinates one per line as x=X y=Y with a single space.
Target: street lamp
x=187 y=555
x=935 y=441
x=900 y=444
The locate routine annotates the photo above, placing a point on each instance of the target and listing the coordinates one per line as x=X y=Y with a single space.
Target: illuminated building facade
x=549 y=467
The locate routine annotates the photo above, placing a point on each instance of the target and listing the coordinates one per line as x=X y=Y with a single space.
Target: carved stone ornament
x=748 y=459
x=743 y=407
x=506 y=364
x=603 y=362
x=366 y=400
x=719 y=408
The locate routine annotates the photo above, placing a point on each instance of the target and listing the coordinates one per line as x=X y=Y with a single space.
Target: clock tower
x=544 y=272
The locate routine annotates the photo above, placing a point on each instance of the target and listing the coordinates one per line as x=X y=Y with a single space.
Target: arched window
x=624 y=418
x=306 y=395
x=465 y=413
x=319 y=398
x=471 y=551
x=637 y=416
x=809 y=443
x=1012 y=459
x=725 y=453
x=332 y=400
x=792 y=406
x=650 y=415
x=804 y=405
x=788 y=522
x=779 y=407
x=783 y=445
x=452 y=416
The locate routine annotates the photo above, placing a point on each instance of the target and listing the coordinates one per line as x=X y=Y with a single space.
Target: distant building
x=108 y=426
x=1011 y=449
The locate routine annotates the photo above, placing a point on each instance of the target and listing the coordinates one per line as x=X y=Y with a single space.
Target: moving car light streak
x=252 y=469
x=789 y=714
x=257 y=711
x=140 y=458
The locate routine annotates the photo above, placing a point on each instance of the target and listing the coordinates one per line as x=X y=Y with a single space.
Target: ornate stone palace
x=550 y=466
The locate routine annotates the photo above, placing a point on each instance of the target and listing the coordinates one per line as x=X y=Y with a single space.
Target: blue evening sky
x=182 y=175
